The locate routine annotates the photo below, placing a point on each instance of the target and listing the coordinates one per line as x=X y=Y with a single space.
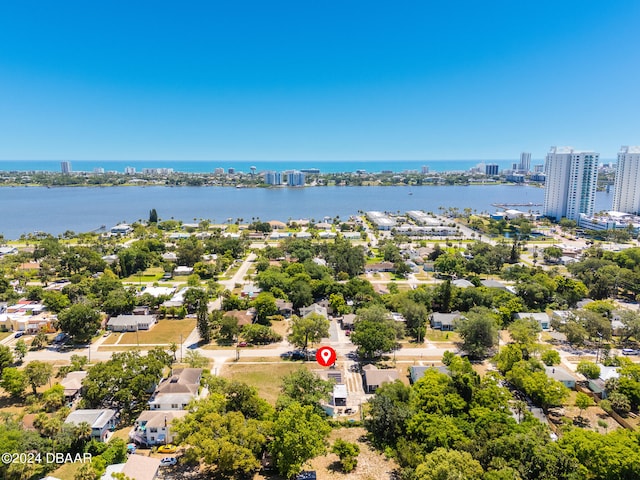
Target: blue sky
x=351 y=80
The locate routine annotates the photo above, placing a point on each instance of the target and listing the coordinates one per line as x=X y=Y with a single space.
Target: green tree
x=153 y=216
x=80 y=321
x=304 y=387
x=229 y=328
x=20 y=350
x=444 y=464
x=583 y=401
x=6 y=357
x=588 y=369
x=348 y=454
x=299 y=434
x=550 y=357
x=196 y=360
x=38 y=373
x=265 y=305
x=310 y=329
x=479 y=332
x=374 y=338
x=524 y=330
x=14 y=381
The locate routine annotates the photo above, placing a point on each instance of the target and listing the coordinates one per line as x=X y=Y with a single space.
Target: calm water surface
x=55 y=210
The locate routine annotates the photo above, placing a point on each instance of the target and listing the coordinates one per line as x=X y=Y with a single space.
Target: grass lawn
x=439 y=336
x=4 y=335
x=66 y=470
x=149 y=275
x=111 y=339
x=164 y=332
x=266 y=378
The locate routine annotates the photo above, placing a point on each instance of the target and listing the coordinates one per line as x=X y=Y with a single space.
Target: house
x=347 y=321
x=158 y=291
x=461 y=283
x=284 y=308
x=325 y=234
x=561 y=375
x=374 y=377
x=323 y=226
x=137 y=466
x=339 y=395
x=380 y=267
x=7 y=251
x=250 y=291
x=169 y=257
x=494 y=284
x=541 y=317
x=244 y=317
x=131 y=323
x=153 y=427
x=352 y=235
x=305 y=235
x=598 y=386
x=175 y=392
x=182 y=270
x=72 y=385
x=277 y=225
x=416 y=372
x=121 y=229
x=101 y=421
x=444 y=321
x=313 y=308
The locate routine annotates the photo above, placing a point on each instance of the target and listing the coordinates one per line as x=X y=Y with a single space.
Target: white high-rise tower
x=570 y=187
x=626 y=194
x=525 y=162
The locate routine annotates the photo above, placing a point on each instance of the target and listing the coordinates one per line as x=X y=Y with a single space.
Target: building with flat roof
x=525 y=162
x=272 y=178
x=571 y=178
x=381 y=220
x=295 y=178
x=626 y=193
x=491 y=169
x=65 y=167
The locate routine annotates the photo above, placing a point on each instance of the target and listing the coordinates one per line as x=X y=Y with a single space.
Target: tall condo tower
x=525 y=162
x=570 y=187
x=65 y=167
x=626 y=194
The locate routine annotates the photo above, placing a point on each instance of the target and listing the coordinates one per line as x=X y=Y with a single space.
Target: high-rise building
x=65 y=167
x=491 y=169
x=272 y=178
x=539 y=168
x=626 y=194
x=295 y=178
x=425 y=169
x=525 y=162
x=218 y=171
x=571 y=178
x=129 y=170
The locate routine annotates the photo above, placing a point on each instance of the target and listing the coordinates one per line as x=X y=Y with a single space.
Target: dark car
x=19 y=334
x=307 y=476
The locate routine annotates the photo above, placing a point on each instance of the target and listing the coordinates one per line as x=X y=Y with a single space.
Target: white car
x=168 y=461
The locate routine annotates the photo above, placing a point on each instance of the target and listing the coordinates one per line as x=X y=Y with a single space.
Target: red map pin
x=326 y=356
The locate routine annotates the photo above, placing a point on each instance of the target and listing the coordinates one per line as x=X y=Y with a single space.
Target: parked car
x=168 y=461
x=19 y=334
x=242 y=344
x=168 y=448
x=629 y=351
x=307 y=476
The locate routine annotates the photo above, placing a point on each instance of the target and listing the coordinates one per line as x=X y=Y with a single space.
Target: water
x=245 y=166
x=54 y=210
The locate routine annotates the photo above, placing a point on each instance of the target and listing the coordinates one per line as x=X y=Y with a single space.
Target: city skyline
x=287 y=81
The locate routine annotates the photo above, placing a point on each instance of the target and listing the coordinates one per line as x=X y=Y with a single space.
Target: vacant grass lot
x=152 y=274
x=164 y=332
x=439 y=336
x=266 y=378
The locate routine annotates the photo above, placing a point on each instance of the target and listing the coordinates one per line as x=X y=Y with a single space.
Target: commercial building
x=525 y=162
x=295 y=178
x=273 y=178
x=571 y=178
x=626 y=193
x=491 y=169
x=381 y=220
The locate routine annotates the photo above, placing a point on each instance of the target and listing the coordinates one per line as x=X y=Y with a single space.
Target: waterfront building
x=425 y=169
x=571 y=178
x=611 y=221
x=65 y=167
x=525 y=162
x=491 y=169
x=421 y=218
x=626 y=193
x=219 y=171
x=98 y=170
x=129 y=170
x=538 y=168
x=272 y=178
x=381 y=220
x=231 y=170
x=295 y=178
x=515 y=178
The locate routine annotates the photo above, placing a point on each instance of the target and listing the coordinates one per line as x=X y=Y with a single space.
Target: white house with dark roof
x=100 y=420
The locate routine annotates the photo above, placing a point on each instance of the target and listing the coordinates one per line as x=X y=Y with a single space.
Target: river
x=54 y=210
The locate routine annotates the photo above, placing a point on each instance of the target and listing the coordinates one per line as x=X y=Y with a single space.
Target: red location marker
x=326 y=356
